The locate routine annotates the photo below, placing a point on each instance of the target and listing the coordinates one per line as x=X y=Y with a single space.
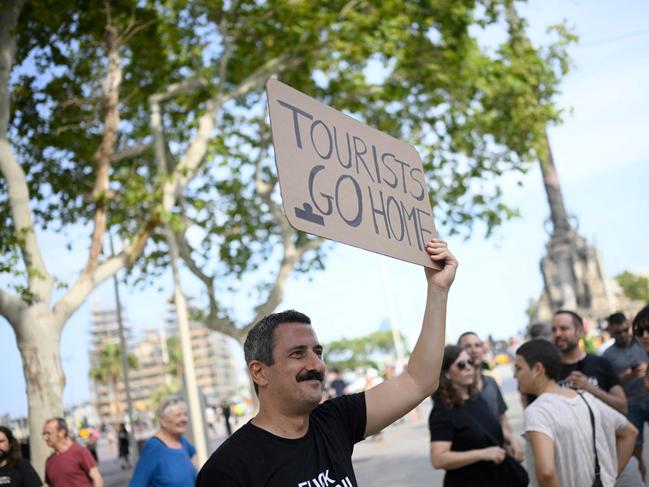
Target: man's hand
x=640 y=370
x=579 y=380
x=439 y=254
x=516 y=451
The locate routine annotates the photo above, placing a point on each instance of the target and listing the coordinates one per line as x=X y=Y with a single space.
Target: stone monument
x=573 y=274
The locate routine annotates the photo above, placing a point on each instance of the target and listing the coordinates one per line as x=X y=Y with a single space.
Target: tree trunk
x=39 y=339
x=558 y=213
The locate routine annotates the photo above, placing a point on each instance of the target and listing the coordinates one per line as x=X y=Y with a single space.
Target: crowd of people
x=583 y=417
x=584 y=414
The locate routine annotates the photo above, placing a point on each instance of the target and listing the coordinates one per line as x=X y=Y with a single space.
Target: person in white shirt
x=558 y=425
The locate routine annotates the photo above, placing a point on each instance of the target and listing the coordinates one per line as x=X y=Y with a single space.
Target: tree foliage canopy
x=351 y=353
x=635 y=287
x=416 y=70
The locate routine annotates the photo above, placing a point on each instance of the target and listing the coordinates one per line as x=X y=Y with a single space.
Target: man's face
x=298 y=371
x=51 y=434
x=473 y=346
x=620 y=333
x=175 y=420
x=564 y=333
x=523 y=374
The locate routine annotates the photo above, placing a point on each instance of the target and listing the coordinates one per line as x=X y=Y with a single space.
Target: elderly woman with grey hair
x=167 y=458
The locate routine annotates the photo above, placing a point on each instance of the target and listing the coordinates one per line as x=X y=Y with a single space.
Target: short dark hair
x=616 y=319
x=260 y=341
x=641 y=319
x=14 y=448
x=577 y=320
x=61 y=424
x=539 y=330
x=465 y=334
x=543 y=352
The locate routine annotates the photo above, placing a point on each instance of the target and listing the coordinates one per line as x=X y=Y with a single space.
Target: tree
x=351 y=353
x=473 y=113
x=635 y=287
x=128 y=115
x=108 y=370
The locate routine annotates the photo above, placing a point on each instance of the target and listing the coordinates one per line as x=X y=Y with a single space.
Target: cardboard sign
x=345 y=181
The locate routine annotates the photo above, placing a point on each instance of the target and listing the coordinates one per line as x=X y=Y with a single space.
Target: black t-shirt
x=253 y=457
x=22 y=476
x=463 y=426
x=598 y=370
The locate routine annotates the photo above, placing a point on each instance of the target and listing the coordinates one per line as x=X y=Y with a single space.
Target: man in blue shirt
x=629 y=361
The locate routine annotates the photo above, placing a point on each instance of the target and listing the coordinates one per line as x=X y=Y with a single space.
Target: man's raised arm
x=393 y=398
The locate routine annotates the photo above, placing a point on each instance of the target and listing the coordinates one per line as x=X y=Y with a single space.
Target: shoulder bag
x=511 y=472
x=598 y=480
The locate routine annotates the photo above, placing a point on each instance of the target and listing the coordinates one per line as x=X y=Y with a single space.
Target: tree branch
x=87 y=282
x=39 y=280
x=11 y=307
x=131 y=152
x=179 y=88
x=105 y=151
x=227 y=45
x=193 y=157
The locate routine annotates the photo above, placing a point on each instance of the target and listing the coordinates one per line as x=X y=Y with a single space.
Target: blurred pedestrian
x=540 y=330
x=629 y=361
x=70 y=464
x=588 y=372
x=641 y=331
x=466 y=439
x=91 y=443
x=575 y=439
x=14 y=470
x=123 y=447
x=167 y=458
x=226 y=411
x=337 y=385
x=489 y=390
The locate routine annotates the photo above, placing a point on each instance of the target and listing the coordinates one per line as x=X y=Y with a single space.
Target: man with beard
x=489 y=390
x=14 y=470
x=295 y=440
x=581 y=370
x=587 y=372
x=629 y=361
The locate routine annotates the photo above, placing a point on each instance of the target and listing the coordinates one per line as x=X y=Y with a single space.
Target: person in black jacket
x=14 y=470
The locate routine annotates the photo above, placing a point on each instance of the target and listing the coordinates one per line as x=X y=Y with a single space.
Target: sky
x=602 y=157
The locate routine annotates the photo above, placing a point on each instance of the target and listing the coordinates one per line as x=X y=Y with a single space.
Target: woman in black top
x=14 y=471
x=462 y=429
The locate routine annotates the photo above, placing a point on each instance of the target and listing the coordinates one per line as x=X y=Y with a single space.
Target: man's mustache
x=310 y=375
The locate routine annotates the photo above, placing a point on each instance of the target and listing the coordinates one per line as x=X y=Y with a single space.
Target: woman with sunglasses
x=465 y=438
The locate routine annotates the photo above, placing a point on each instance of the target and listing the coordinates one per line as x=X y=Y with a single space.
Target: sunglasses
x=462 y=364
x=641 y=330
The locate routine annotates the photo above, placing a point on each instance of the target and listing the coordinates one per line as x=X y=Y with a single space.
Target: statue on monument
x=573 y=274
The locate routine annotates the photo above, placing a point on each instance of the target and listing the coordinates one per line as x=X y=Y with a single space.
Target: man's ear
x=538 y=369
x=257 y=371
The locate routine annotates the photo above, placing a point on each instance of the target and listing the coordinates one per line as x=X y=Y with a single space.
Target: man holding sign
x=296 y=441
